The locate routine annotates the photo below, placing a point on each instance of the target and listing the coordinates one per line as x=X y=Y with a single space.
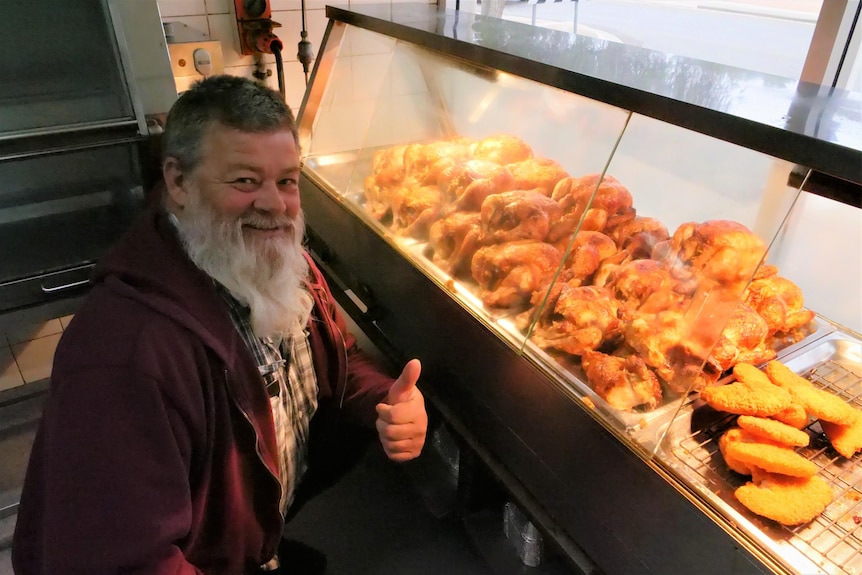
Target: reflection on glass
x=71 y=73
x=771 y=36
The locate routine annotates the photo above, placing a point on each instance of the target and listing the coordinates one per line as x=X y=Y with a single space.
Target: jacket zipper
x=323 y=298
x=257 y=449
x=340 y=341
x=343 y=346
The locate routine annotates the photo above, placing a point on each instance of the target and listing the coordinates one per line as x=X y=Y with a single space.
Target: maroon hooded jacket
x=156 y=452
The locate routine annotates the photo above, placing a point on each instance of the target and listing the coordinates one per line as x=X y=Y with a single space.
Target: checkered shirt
x=288 y=372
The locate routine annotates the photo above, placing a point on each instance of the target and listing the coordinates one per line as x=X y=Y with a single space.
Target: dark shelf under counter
x=51 y=257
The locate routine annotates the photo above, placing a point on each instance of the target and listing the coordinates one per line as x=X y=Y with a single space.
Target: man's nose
x=273 y=200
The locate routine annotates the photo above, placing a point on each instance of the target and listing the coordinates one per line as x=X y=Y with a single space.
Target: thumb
x=402 y=389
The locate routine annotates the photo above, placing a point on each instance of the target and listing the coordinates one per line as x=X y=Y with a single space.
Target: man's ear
x=174 y=181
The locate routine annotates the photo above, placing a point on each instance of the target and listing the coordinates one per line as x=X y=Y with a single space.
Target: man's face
x=240 y=220
x=250 y=177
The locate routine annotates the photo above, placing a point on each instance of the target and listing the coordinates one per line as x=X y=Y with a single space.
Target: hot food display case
x=632 y=293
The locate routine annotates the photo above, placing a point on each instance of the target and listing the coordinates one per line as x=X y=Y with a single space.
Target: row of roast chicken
x=637 y=309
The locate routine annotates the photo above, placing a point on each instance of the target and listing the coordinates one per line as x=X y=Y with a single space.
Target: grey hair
x=231 y=101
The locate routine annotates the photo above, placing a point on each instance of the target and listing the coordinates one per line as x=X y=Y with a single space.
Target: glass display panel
x=71 y=73
x=733 y=202
x=703 y=31
x=457 y=164
x=646 y=306
x=820 y=249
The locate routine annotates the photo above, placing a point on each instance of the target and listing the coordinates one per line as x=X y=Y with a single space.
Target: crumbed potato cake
x=749 y=395
x=817 y=402
x=774 y=430
x=771 y=457
x=846 y=439
x=734 y=434
x=794 y=415
x=788 y=500
x=750 y=373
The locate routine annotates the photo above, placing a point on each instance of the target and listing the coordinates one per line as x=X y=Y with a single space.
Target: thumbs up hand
x=401 y=419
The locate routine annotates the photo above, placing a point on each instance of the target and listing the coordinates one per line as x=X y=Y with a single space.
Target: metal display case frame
x=577 y=474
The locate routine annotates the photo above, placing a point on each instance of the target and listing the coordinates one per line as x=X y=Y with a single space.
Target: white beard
x=266 y=274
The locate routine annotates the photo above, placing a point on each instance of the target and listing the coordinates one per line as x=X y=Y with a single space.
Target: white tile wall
x=169 y=8
x=196 y=28
x=291 y=26
x=221 y=23
x=218 y=6
x=216 y=20
x=223 y=27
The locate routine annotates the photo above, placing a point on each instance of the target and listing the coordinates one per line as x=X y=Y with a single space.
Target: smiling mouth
x=275 y=232
x=269 y=231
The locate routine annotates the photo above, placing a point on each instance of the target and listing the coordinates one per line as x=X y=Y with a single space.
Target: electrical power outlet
x=183 y=58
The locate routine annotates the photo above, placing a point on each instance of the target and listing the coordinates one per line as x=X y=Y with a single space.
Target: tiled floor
x=6 y=562
x=27 y=351
x=20 y=409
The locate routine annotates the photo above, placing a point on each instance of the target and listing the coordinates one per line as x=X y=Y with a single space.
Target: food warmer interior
x=597 y=250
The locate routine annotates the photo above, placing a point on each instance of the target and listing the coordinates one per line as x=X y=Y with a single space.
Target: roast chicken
x=779 y=301
x=502 y=149
x=537 y=173
x=423 y=163
x=602 y=206
x=640 y=236
x=663 y=339
x=589 y=280
x=743 y=340
x=414 y=209
x=587 y=251
x=576 y=319
x=387 y=173
x=454 y=240
x=517 y=215
x=509 y=273
x=645 y=285
x=719 y=253
x=466 y=184
x=625 y=382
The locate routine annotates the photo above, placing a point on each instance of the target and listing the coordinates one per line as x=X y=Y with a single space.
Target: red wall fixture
x=255 y=25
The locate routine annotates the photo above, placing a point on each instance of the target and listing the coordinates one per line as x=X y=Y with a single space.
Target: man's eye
x=288 y=182
x=245 y=184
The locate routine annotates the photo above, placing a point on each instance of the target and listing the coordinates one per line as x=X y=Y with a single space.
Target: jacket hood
x=150 y=266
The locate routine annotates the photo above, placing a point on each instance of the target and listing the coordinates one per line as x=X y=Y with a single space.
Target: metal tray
x=832 y=542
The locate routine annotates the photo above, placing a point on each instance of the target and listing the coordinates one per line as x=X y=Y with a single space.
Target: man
x=207 y=381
